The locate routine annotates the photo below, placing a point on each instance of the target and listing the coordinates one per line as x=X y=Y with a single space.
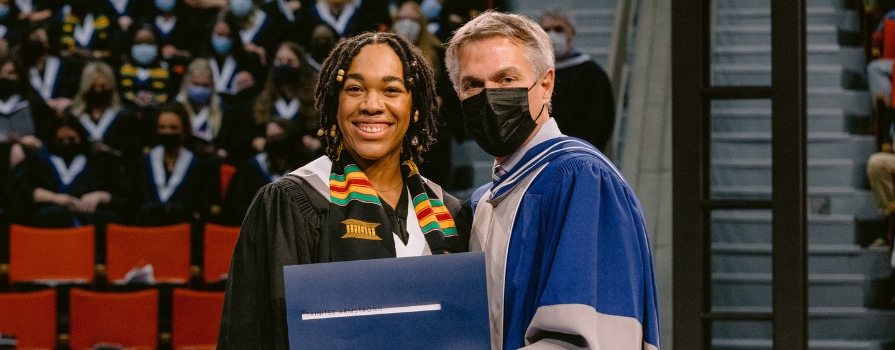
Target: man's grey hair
x=520 y=29
x=561 y=13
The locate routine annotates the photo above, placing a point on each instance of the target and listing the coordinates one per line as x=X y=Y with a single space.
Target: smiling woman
x=364 y=200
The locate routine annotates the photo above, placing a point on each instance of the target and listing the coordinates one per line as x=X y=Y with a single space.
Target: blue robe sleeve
x=596 y=288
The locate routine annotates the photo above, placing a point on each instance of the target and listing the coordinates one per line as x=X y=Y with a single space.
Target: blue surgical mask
x=240 y=7
x=198 y=94
x=165 y=5
x=4 y=10
x=144 y=54
x=431 y=9
x=221 y=44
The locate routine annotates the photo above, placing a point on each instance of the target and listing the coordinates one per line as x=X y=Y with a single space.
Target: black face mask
x=277 y=148
x=169 y=141
x=285 y=74
x=321 y=48
x=33 y=49
x=499 y=120
x=98 y=98
x=7 y=88
x=65 y=151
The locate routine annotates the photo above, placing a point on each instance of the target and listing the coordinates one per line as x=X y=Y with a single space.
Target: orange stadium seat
x=219 y=243
x=31 y=317
x=126 y=319
x=195 y=319
x=51 y=254
x=166 y=248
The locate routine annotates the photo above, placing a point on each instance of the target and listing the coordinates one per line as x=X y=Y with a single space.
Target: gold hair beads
x=340 y=75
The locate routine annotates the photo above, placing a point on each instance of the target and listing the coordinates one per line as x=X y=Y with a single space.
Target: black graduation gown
x=66 y=80
x=287 y=224
x=297 y=30
x=124 y=135
x=184 y=204
x=359 y=23
x=36 y=171
x=583 y=104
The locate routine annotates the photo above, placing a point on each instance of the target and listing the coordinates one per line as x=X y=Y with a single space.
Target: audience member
x=232 y=67
x=203 y=106
x=110 y=126
x=55 y=79
x=10 y=25
x=288 y=95
x=323 y=39
x=126 y=12
x=292 y=20
x=256 y=30
x=176 y=33
x=67 y=185
x=87 y=33
x=170 y=180
x=582 y=99
x=145 y=79
x=23 y=118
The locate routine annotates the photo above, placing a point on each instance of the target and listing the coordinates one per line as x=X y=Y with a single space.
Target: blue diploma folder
x=428 y=302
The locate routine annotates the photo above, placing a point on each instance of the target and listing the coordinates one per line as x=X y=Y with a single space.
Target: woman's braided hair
x=418 y=79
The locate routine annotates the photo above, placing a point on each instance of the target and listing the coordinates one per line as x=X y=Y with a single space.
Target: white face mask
x=408 y=28
x=559 y=43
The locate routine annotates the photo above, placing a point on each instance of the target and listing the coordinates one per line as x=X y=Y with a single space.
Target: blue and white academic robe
x=567 y=252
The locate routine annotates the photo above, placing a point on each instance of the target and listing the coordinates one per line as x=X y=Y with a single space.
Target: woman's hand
x=258 y=143
x=31 y=141
x=90 y=201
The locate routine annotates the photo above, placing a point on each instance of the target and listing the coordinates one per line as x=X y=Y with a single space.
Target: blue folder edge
x=343 y=303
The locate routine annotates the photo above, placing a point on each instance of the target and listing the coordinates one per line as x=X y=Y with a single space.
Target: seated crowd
x=159 y=112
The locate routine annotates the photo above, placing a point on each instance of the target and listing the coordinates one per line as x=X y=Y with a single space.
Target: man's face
x=559 y=26
x=498 y=62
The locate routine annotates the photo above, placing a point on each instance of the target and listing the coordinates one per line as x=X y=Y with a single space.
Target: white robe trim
x=165 y=187
x=247 y=35
x=96 y=130
x=143 y=73
x=222 y=75
x=165 y=25
x=83 y=32
x=339 y=24
x=13 y=104
x=492 y=227
x=26 y=6
x=285 y=10
x=317 y=174
x=45 y=84
x=67 y=173
x=119 y=5
x=287 y=110
x=197 y=121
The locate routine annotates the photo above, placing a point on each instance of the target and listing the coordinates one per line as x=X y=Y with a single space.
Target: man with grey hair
x=582 y=98
x=568 y=258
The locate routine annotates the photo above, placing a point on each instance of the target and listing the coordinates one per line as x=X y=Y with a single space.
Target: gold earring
x=332 y=132
x=416 y=116
x=340 y=75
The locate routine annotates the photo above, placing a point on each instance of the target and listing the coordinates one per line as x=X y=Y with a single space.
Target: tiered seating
x=153 y=316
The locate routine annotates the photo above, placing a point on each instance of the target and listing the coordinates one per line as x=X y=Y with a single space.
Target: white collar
x=548 y=131
x=165 y=25
x=119 y=5
x=201 y=129
x=316 y=173
x=26 y=6
x=45 y=84
x=84 y=31
x=247 y=35
x=13 y=104
x=222 y=75
x=165 y=188
x=287 y=110
x=286 y=10
x=98 y=129
x=337 y=24
x=573 y=61
x=68 y=173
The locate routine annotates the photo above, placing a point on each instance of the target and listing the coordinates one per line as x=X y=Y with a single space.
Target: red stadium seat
x=31 y=317
x=219 y=243
x=166 y=248
x=57 y=254
x=126 y=319
x=195 y=319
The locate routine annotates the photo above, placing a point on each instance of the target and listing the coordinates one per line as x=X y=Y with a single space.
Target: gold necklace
x=391 y=189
